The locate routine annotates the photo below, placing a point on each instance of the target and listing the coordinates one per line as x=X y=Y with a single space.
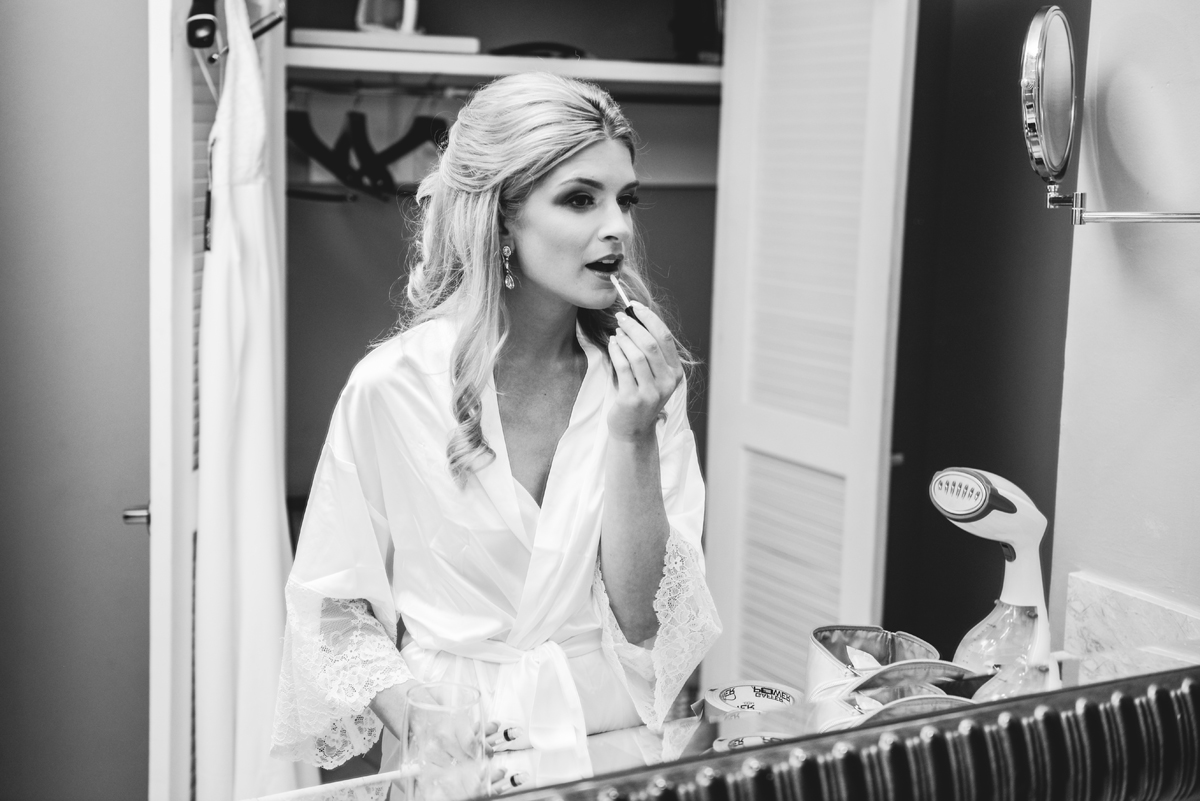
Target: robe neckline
x=497 y=477
x=517 y=485
x=552 y=545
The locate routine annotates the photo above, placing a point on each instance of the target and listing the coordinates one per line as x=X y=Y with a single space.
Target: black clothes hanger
x=370 y=175
x=371 y=167
x=336 y=159
x=423 y=129
x=339 y=155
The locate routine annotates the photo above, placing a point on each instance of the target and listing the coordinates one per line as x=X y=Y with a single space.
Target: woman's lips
x=609 y=264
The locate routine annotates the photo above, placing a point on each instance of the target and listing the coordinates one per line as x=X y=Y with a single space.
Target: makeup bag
x=894 y=691
x=840 y=655
x=861 y=673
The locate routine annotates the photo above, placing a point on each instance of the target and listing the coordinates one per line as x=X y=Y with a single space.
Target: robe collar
x=496 y=477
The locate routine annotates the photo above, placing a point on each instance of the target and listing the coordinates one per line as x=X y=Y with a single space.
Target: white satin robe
x=491 y=590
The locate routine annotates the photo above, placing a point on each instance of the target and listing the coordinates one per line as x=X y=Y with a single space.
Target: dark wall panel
x=983 y=310
x=345 y=261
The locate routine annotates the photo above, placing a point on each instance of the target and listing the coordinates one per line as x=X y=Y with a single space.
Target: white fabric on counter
x=493 y=591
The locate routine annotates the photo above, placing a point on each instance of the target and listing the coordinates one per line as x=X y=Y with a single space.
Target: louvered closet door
x=814 y=147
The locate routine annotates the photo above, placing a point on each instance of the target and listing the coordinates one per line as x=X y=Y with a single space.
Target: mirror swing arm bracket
x=1077 y=203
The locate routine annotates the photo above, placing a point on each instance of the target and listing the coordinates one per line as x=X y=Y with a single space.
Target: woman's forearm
x=635 y=531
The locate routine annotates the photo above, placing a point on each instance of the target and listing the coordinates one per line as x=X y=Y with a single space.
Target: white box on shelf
x=384 y=40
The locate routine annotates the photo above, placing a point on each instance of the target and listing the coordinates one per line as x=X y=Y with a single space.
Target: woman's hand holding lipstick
x=648 y=371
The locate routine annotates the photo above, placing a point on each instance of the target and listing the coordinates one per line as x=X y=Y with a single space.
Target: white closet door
x=181 y=115
x=181 y=110
x=816 y=101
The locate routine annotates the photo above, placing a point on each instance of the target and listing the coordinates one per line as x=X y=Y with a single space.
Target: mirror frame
x=1033 y=111
x=1136 y=737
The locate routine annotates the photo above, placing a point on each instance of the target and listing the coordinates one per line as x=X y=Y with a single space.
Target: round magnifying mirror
x=1048 y=93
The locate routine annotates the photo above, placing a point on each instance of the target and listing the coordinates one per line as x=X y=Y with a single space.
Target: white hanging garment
x=243 y=553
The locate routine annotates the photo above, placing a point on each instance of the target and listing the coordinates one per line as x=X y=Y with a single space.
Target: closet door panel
x=813 y=154
x=181 y=111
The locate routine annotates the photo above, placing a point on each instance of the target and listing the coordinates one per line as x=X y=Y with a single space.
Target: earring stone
x=506 y=254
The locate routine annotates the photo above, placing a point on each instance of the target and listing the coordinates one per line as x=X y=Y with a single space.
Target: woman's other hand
x=504 y=781
x=648 y=371
x=500 y=737
x=503 y=737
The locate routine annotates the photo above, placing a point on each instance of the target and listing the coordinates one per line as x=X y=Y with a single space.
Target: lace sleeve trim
x=336 y=657
x=688 y=625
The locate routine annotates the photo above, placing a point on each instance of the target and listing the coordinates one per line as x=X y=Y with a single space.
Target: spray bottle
x=1014 y=639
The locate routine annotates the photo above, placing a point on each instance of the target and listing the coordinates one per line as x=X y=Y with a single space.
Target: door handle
x=136 y=515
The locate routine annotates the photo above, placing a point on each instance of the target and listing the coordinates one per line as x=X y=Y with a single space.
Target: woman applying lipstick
x=509 y=495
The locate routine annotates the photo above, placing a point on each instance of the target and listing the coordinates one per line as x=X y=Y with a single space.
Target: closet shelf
x=633 y=79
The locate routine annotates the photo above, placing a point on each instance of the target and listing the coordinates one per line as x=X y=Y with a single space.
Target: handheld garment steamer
x=1014 y=639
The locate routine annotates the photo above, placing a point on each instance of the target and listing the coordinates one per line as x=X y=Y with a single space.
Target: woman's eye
x=579 y=201
x=628 y=201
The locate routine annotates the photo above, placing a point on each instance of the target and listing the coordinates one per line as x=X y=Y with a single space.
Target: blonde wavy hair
x=507 y=138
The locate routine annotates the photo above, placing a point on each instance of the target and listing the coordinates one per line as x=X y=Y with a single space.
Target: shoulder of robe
x=407 y=361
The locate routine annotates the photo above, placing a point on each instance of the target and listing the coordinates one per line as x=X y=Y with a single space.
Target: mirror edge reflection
x=1106 y=733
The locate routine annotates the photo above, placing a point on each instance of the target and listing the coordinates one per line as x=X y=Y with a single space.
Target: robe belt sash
x=544 y=696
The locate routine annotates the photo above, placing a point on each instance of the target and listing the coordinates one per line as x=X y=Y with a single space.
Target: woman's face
x=580 y=214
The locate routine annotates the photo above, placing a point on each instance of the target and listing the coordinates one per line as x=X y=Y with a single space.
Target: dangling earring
x=506 y=253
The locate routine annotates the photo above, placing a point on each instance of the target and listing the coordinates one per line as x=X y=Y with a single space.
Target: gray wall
x=74 y=398
x=983 y=311
x=1128 y=466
